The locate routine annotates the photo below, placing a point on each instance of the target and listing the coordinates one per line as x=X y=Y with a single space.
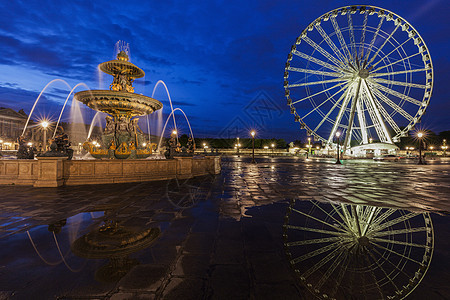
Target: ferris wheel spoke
x=329 y=215
x=300 y=228
x=370 y=213
x=322 y=262
x=347 y=215
x=400 y=83
x=397 y=61
x=340 y=114
x=374 y=278
x=330 y=43
x=387 y=117
x=308 y=71
x=400 y=243
x=383 y=216
x=394 y=93
x=399 y=231
x=317 y=82
x=341 y=39
x=326 y=100
x=363 y=36
x=392 y=51
x=393 y=105
x=343 y=218
x=382 y=45
x=314 y=241
x=395 y=221
x=329 y=271
x=315 y=60
x=383 y=112
x=330 y=111
x=315 y=253
x=375 y=35
x=342 y=270
x=352 y=36
x=395 y=252
x=318 y=220
x=372 y=75
x=318 y=93
x=322 y=51
x=382 y=256
x=386 y=275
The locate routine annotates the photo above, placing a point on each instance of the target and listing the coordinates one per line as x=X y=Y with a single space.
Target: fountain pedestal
x=50 y=172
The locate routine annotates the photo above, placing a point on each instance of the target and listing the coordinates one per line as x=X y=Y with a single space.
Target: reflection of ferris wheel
x=344 y=251
x=360 y=70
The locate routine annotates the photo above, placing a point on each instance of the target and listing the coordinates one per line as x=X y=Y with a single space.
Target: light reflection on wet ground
x=221 y=236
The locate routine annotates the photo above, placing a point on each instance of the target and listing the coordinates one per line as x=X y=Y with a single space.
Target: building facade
x=11 y=127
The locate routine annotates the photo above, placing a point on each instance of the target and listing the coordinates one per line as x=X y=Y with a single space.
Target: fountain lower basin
x=58 y=171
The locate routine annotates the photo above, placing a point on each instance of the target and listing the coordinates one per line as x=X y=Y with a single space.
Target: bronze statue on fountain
x=122 y=137
x=25 y=150
x=60 y=146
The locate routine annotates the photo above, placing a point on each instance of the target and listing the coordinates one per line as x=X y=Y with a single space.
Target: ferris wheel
x=341 y=251
x=361 y=71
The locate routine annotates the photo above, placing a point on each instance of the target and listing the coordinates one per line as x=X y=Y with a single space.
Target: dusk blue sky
x=219 y=59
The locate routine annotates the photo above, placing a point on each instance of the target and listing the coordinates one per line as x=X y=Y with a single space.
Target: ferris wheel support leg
x=362 y=122
x=387 y=136
x=352 y=116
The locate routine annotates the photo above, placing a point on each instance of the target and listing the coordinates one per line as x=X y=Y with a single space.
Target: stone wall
x=18 y=171
x=57 y=171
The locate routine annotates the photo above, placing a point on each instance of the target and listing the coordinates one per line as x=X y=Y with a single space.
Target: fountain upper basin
x=118 y=102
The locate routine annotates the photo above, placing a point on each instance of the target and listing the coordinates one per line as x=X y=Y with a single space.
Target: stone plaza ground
x=221 y=236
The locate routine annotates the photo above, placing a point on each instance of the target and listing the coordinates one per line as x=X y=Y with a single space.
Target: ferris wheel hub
x=363 y=73
x=364 y=241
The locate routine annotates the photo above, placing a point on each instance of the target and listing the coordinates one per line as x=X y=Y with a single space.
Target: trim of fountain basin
x=90 y=96
x=58 y=171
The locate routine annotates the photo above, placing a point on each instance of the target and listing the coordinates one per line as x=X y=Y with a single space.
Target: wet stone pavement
x=222 y=237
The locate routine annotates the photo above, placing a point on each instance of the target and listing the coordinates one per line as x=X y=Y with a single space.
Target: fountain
x=119 y=154
x=122 y=137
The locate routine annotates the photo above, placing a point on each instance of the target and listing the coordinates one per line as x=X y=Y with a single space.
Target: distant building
x=11 y=127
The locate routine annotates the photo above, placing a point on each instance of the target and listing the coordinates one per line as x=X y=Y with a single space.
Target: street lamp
x=444 y=146
x=370 y=140
x=338 y=134
x=237 y=146
x=309 y=148
x=273 y=148
x=44 y=125
x=1 y=144
x=420 y=135
x=253 y=133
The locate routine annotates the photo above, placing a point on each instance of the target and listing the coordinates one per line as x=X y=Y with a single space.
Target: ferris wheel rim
x=375 y=80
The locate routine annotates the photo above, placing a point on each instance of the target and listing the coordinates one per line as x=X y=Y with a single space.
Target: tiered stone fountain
x=122 y=149
x=122 y=138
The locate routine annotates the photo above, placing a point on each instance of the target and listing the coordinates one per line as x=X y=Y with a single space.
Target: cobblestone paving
x=227 y=246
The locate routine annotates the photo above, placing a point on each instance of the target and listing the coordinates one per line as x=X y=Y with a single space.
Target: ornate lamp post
x=420 y=135
x=338 y=161
x=44 y=125
x=1 y=144
x=253 y=146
